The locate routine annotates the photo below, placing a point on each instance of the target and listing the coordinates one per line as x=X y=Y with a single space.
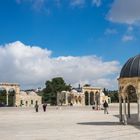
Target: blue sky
x=107 y=29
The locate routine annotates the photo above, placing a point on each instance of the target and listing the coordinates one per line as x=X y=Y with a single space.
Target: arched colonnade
x=92 y=96
x=129 y=91
x=9 y=91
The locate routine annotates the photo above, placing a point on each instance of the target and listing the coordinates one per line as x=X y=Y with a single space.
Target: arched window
x=26 y=103
x=21 y=102
x=32 y=102
x=86 y=98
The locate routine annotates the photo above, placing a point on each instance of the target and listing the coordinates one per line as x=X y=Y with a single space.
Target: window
x=21 y=102
x=32 y=102
x=36 y=102
x=26 y=103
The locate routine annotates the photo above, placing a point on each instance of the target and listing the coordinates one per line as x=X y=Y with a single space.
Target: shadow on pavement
x=131 y=121
x=99 y=123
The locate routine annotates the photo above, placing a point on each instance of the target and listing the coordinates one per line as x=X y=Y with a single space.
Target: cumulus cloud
x=125 y=11
x=31 y=66
x=127 y=38
x=96 y=2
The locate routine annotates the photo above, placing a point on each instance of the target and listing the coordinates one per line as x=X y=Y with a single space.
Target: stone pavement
x=65 y=123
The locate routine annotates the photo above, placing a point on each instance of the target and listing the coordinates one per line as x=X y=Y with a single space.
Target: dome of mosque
x=131 y=68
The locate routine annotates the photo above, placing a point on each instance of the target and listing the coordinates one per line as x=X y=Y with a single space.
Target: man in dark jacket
x=36 y=107
x=105 y=105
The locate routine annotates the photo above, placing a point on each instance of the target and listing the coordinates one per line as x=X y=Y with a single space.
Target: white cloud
x=35 y=4
x=96 y=2
x=110 y=31
x=130 y=29
x=127 y=38
x=125 y=11
x=31 y=66
x=45 y=4
x=77 y=3
x=106 y=82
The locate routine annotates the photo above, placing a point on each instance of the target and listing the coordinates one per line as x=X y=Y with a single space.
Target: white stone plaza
x=67 y=123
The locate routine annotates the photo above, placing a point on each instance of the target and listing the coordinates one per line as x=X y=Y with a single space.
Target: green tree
x=57 y=84
x=113 y=95
x=87 y=85
x=105 y=91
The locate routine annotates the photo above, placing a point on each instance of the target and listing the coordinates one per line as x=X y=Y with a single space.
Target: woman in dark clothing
x=44 y=107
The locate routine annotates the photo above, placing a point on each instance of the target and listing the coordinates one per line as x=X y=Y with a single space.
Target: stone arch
x=8 y=87
x=92 y=98
x=86 y=98
x=79 y=99
x=131 y=92
x=131 y=96
x=76 y=99
x=128 y=93
x=2 y=96
x=97 y=100
x=97 y=97
x=12 y=94
x=124 y=88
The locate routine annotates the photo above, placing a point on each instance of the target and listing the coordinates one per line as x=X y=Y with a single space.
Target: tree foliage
x=113 y=94
x=57 y=84
x=87 y=85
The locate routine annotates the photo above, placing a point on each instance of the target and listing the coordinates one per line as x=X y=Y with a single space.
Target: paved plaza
x=66 y=123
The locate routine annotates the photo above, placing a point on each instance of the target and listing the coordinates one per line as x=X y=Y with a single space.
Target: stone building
x=94 y=95
x=14 y=97
x=70 y=98
x=83 y=96
x=28 y=99
x=129 y=88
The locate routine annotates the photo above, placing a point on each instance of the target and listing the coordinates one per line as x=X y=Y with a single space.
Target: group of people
x=105 y=105
x=44 y=106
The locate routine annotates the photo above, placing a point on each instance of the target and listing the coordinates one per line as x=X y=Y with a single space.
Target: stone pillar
x=94 y=98
x=96 y=101
x=57 y=97
x=128 y=107
x=124 y=112
x=7 y=103
x=17 y=100
x=120 y=108
x=138 y=109
x=66 y=98
x=88 y=98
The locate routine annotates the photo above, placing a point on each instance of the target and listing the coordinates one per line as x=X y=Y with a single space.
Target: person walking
x=36 y=107
x=44 y=107
x=105 y=105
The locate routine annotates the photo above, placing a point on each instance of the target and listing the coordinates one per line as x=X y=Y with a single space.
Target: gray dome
x=131 y=68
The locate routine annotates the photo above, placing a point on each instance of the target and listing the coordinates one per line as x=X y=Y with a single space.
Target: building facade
x=86 y=96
